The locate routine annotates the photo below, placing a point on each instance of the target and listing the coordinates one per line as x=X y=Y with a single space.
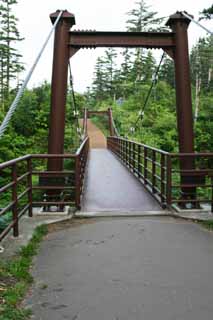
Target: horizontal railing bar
x=142 y=145
x=48 y=156
x=56 y=203
x=82 y=146
x=10 y=163
x=22 y=212
x=5 y=188
x=23 y=176
x=191 y=200
x=196 y=154
x=53 y=172
x=23 y=194
x=52 y=188
x=192 y=185
x=7 y=208
x=7 y=230
x=195 y=171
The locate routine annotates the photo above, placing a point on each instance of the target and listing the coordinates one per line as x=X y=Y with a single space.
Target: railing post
x=153 y=171
x=169 y=181
x=145 y=165
x=133 y=157
x=29 y=182
x=162 y=164
x=15 y=201
x=126 y=155
x=77 y=183
x=139 y=160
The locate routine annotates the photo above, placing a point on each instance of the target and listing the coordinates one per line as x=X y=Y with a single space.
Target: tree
x=167 y=72
x=110 y=71
x=206 y=13
x=9 y=57
x=142 y=19
x=99 y=82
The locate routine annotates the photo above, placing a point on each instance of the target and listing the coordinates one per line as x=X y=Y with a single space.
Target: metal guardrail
x=20 y=183
x=162 y=175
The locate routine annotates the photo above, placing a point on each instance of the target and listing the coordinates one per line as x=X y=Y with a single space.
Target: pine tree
x=9 y=57
x=110 y=71
x=142 y=19
x=207 y=13
x=167 y=72
x=99 y=82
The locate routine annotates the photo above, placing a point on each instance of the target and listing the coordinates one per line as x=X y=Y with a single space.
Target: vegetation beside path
x=15 y=279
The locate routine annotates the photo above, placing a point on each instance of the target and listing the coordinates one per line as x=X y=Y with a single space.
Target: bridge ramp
x=109 y=186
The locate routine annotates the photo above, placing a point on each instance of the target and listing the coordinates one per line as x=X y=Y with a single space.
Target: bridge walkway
x=109 y=186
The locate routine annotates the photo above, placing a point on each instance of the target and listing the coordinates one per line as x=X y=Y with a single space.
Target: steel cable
x=14 y=105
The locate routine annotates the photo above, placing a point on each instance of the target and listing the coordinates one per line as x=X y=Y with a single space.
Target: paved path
x=109 y=186
x=125 y=269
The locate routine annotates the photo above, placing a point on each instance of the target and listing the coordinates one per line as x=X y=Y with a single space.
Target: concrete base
x=41 y=212
x=10 y=245
x=108 y=214
x=202 y=209
x=194 y=215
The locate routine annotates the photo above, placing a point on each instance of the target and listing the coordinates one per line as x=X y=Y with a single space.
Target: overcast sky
x=34 y=25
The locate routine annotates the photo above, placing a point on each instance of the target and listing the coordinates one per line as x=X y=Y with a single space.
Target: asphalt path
x=125 y=269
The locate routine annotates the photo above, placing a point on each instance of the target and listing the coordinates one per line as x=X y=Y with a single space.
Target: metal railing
x=21 y=188
x=148 y=164
x=162 y=173
x=195 y=183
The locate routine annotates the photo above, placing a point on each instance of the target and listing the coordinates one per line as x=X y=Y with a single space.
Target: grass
x=15 y=279
x=207 y=224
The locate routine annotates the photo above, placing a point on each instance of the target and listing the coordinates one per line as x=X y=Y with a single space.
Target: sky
x=110 y=15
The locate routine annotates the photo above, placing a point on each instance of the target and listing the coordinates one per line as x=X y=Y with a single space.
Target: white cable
x=196 y=22
x=13 y=106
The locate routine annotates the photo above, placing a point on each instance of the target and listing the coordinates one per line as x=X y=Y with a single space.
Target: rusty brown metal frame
x=157 y=170
x=175 y=44
x=95 y=39
x=23 y=169
x=107 y=113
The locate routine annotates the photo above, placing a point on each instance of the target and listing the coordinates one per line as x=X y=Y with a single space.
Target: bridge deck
x=110 y=187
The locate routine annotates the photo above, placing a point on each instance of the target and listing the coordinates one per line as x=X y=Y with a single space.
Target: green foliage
x=10 y=65
x=130 y=82
x=207 y=13
x=16 y=278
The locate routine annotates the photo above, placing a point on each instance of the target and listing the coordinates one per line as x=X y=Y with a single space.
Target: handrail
x=142 y=145
x=86 y=139
x=53 y=181
x=163 y=175
x=11 y=162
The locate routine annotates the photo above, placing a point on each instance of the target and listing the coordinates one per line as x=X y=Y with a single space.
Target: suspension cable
x=14 y=105
x=154 y=81
x=76 y=113
x=196 y=22
x=115 y=128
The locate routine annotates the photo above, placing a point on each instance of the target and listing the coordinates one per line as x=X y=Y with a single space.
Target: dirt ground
x=97 y=138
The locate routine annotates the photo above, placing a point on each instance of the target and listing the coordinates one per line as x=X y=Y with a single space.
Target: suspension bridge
x=115 y=268
x=120 y=174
